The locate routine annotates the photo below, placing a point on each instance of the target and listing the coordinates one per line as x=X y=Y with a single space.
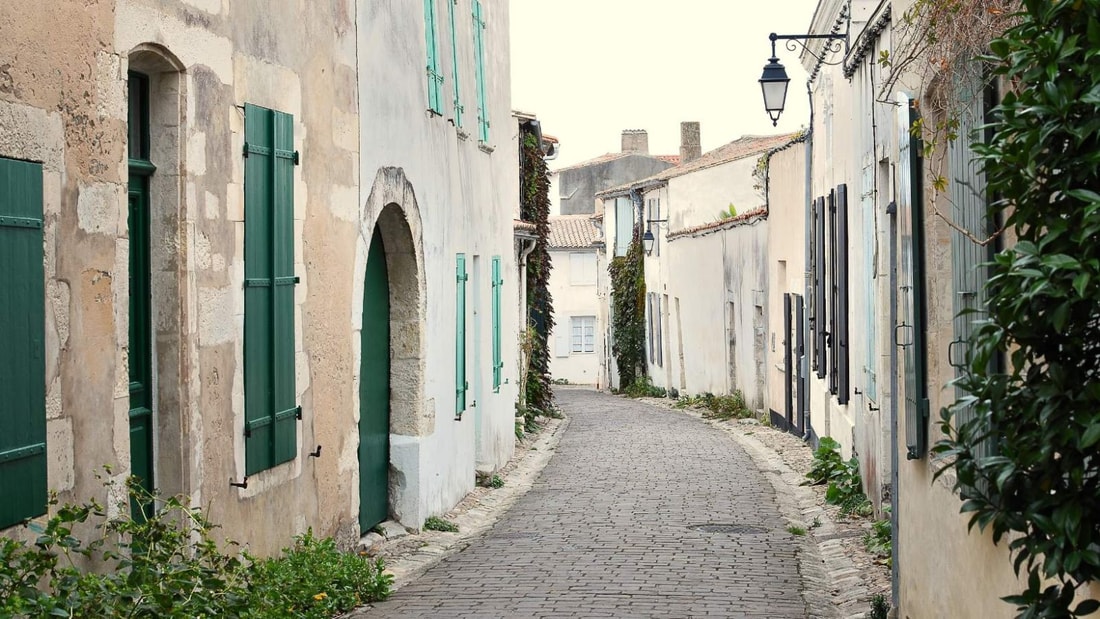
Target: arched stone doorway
x=157 y=341
x=391 y=373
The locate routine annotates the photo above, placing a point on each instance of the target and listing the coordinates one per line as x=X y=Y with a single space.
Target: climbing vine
x=628 y=311
x=535 y=208
x=1033 y=370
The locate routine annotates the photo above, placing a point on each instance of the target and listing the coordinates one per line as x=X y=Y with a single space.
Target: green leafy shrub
x=1032 y=392
x=879 y=541
x=724 y=407
x=880 y=608
x=313 y=579
x=845 y=486
x=435 y=523
x=642 y=387
x=167 y=564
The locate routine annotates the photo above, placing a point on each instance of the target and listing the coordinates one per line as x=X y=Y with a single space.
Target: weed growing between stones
x=435 y=523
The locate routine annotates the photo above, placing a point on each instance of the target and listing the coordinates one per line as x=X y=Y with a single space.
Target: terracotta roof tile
x=604 y=158
x=747 y=217
x=740 y=148
x=573 y=231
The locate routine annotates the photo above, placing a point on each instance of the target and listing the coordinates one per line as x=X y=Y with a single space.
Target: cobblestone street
x=641 y=512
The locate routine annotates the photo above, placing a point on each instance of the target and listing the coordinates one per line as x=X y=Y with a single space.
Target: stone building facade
x=272 y=256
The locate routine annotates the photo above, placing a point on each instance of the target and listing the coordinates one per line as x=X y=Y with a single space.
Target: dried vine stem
x=939 y=43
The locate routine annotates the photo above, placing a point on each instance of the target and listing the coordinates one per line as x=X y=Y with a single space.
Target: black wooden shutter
x=840 y=335
x=820 y=326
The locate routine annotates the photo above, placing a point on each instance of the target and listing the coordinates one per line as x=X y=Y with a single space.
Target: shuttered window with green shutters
x=498 y=363
x=479 y=73
x=435 y=75
x=460 y=335
x=454 y=65
x=22 y=357
x=271 y=409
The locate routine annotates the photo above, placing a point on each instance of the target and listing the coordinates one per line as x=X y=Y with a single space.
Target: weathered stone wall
x=578 y=185
x=62 y=104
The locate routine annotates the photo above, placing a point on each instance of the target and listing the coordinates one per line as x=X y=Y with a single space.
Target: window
x=582 y=269
x=479 y=72
x=271 y=410
x=498 y=364
x=461 y=385
x=435 y=76
x=23 y=332
x=624 y=225
x=584 y=334
x=454 y=65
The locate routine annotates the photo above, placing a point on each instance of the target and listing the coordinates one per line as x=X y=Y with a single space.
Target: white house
x=577 y=347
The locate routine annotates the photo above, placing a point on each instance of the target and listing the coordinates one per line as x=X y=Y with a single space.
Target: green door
x=141 y=350
x=374 y=391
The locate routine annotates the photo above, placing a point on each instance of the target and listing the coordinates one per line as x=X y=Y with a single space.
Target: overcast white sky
x=591 y=68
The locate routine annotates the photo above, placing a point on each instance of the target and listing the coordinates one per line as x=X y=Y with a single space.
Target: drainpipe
x=895 y=586
x=804 y=365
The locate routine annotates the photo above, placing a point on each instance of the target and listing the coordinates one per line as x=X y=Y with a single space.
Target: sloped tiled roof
x=606 y=157
x=573 y=231
x=748 y=217
x=740 y=148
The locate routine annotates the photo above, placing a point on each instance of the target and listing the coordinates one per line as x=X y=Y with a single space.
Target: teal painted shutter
x=435 y=76
x=909 y=332
x=271 y=411
x=454 y=66
x=460 y=336
x=498 y=364
x=479 y=48
x=22 y=331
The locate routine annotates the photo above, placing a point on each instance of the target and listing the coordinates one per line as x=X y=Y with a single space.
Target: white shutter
x=561 y=340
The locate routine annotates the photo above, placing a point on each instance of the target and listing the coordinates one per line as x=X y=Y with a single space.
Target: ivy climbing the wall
x=535 y=208
x=1033 y=371
x=628 y=311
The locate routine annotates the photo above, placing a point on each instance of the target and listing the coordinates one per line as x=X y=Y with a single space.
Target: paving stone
x=604 y=530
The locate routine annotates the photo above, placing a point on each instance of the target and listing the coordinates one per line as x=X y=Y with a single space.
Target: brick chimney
x=690 y=146
x=635 y=141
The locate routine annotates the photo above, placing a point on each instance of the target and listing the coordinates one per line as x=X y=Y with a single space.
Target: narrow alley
x=641 y=512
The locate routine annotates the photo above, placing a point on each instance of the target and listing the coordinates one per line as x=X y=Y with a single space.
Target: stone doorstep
x=473 y=520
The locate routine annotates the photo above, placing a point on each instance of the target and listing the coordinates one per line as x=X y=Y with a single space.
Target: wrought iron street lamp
x=774 y=81
x=648 y=238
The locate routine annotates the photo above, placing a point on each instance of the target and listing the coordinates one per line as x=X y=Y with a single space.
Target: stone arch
x=391 y=207
x=171 y=345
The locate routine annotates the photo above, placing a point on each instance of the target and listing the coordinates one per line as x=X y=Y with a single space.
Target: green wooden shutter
x=435 y=76
x=22 y=357
x=454 y=66
x=460 y=336
x=479 y=48
x=909 y=333
x=498 y=364
x=271 y=411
